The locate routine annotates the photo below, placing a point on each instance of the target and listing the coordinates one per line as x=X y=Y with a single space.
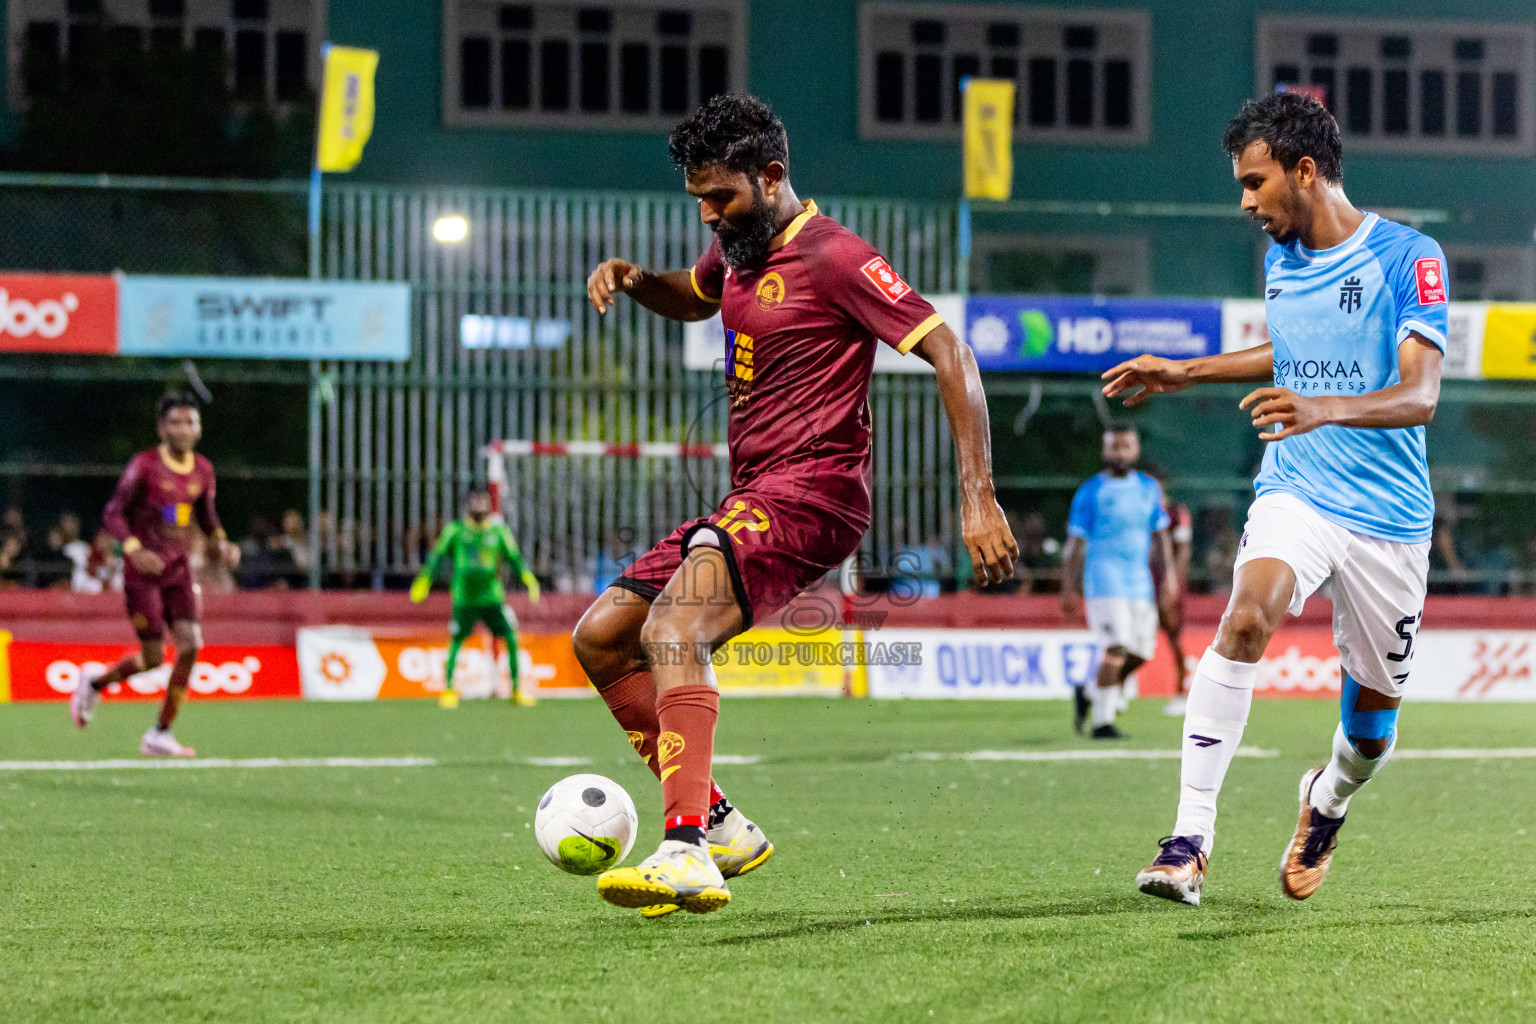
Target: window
x=1061 y=264
x=1082 y=75
x=269 y=48
x=636 y=64
x=1411 y=86
x=1491 y=273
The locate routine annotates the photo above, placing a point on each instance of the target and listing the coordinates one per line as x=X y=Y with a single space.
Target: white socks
x=1347 y=771
x=1220 y=694
x=1106 y=701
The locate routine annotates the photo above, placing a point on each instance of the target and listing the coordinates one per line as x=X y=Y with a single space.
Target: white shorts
x=1377 y=586
x=1121 y=622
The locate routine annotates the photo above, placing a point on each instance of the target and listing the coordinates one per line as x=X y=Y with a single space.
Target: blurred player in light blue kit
x=1356 y=307
x=1116 y=517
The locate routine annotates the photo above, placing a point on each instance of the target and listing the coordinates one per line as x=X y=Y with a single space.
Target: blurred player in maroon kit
x=1170 y=614
x=162 y=493
x=803 y=301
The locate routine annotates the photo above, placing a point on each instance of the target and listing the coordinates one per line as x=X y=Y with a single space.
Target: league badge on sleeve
x=884 y=278
x=1429 y=272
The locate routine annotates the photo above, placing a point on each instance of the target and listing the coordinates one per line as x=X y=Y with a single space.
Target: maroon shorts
x=155 y=600
x=775 y=546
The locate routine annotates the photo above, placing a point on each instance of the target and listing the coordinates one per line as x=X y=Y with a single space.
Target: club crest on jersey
x=770 y=291
x=884 y=278
x=738 y=367
x=1429 y=275
x=1349 y=294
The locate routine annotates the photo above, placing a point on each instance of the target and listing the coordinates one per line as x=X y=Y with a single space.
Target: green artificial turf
x=903 y=889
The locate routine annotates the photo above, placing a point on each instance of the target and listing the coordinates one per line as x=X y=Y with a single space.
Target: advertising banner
x=985 y=664
x=58 y=313
x=253 y=318
x=769 y=662
x=52 y=671
x=1242 y=324
x=1300 y=661
x=704 y=341
x=351 y=663
x=1474 y=665
x=1509 y=342
x=1087 y=335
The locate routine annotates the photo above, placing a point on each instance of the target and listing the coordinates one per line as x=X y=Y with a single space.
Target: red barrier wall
x=271 y=616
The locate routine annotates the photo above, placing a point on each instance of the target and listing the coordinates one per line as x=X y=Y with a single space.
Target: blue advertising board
x=1086 y=335
x=264 y=318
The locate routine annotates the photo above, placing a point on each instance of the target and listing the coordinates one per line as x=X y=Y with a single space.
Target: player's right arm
x=1074 y=555
x=1146 y=376
x=672 y=294
x=422 y=584
x=114 y=519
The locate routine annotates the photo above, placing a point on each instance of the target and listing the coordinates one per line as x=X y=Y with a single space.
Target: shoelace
x=1319 y=838
x=1176 y=851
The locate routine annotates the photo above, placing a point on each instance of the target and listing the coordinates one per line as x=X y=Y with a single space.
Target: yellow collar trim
x=184 y=467
x=784 y=237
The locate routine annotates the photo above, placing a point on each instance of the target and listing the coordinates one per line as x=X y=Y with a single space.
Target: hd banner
x=251 y=318
x=1063 y=334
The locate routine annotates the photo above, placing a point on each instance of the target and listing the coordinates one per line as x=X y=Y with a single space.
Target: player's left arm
x=983 y=525
x=219 y=546
x=514 y=557
x=1164 y=540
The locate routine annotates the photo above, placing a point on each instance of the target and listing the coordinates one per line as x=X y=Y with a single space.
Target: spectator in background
x=1445 y=553
x=11 y=550
x=915 y=570
x=294 y=539
x=1039 y=552
x=65 y=540
x=255 y=554
x=104 y=567
x=1222 y=542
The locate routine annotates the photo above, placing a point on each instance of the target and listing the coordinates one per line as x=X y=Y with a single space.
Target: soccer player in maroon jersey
x=803 y=300
x=161 y=493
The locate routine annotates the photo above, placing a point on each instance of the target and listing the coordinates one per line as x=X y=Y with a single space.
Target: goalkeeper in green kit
x=477 y=545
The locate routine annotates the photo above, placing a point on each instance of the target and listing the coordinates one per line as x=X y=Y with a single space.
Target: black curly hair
x=740 y=133
x=175 y=400
x=1292 y=126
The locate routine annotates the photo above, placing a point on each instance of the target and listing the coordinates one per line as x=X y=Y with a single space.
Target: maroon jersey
x=800 y=330
x=156 y=502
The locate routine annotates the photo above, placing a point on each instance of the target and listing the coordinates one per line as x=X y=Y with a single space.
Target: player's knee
x=1370 y=747
x=668 y=632
x=1248 y=627
x=151 y=656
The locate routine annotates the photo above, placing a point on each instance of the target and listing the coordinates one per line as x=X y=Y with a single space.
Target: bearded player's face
x=181 y=428
x=741 y=209
x=478 y=506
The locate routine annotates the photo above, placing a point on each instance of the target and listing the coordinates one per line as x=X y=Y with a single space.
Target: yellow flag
x=346 y=107
x=988 y=138
x=1509 y=341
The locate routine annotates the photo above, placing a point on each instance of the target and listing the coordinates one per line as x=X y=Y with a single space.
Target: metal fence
x=397 y=444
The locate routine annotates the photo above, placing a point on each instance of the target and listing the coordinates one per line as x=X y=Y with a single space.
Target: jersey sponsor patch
x=884 y=278
x=1429 y=273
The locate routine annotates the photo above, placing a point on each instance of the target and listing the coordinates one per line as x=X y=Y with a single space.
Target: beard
x=745 y=243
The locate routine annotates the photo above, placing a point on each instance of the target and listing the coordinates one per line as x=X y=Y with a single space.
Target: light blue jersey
x=1116 y=516
x=1336 y=318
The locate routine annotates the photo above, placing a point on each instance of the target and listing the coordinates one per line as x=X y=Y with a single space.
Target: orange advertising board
x=349 y=663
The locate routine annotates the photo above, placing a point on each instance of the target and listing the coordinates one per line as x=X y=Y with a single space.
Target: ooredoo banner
x=353 y=663
x=58 y=313
x=52 y=671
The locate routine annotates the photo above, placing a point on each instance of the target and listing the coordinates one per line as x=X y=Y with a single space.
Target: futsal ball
x=586 y=824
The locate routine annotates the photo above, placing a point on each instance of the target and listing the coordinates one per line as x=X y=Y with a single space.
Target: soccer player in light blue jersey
x=1115 y=519
x=1356 y=307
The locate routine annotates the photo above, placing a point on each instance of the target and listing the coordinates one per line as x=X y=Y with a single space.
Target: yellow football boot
x=523 y=699
x=737 y=847
x=678 y=874
x=448 y=699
